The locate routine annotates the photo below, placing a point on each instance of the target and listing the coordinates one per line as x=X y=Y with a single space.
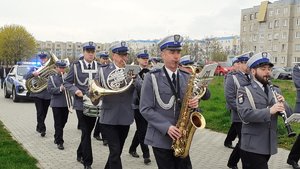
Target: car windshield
x=23 y=70
x=279 y=69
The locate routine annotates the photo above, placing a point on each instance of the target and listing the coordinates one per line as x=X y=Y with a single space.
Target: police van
x=14 y=83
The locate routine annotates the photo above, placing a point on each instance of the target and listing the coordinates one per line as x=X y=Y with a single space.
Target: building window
x=251 y=16
x=251 y=27
x=283 y=59
x=255 y=15
x=261 y=36
x=285 y=22
x=296 y=59
x=277 y=11
x=270 y=36
x=254 y=48
x=297 y=35
x=282 y=47
x=244 y=17
x=297 y=47
x=244 y=29
x=274 y=59
x=271 y=13
x=270 y=25
x=254 y=38
x=298 y=9
x=274 y=48
x=276 y=23
x=285 y=11
x=276 y=35
x=298 y=22
x=284 y=35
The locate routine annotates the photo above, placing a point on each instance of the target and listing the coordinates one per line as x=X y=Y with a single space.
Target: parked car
x=14 y=83
x=223 y=68
x=281 y=73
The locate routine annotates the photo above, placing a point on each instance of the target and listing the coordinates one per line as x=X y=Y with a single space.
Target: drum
x=88 y=108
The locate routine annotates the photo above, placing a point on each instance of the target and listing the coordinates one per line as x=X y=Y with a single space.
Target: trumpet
x=68 y=96
x=282 y=114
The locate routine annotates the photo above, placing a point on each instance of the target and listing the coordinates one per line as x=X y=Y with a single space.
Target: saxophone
x=189 y=120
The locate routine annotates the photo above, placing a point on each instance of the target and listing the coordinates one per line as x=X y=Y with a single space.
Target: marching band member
x=41 y=99
x=77 y=81
x=141 y=123
x=294 y=155
x=259 y=111
x=58 y=102
x=233 y=81
x=103 y=59
x=160 y=109
x=116 y=114
x=231 y=135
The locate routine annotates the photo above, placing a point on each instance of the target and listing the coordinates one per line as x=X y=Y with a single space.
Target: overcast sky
x=113 y=20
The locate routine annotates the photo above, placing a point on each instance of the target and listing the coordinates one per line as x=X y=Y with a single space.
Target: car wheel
x=14 y=95
x=6 y=95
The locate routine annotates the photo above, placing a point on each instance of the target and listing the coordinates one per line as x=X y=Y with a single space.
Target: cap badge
x=91 y=43
x=176 y=38
x=264 y=54
x=145 y=51
x=123 y=43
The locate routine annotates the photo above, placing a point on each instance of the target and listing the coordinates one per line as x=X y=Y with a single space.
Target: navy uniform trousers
x=139 y=135
x=60 y=115
x=41 y=106
x=295 y=151
x=84 y=149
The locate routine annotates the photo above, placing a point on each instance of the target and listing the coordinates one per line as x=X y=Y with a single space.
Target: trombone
x=68 y=96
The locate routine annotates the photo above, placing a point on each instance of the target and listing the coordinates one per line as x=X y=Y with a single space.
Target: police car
x=14 y=83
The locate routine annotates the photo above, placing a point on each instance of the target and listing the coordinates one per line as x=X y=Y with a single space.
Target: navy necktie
x=174 y=79
x=89 y=66
x=266 y=89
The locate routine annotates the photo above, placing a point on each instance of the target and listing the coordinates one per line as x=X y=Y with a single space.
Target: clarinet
x=282 y=114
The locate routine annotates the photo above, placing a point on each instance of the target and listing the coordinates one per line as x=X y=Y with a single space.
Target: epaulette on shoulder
x=76 y=62
x=155 y=70
x=182 y=71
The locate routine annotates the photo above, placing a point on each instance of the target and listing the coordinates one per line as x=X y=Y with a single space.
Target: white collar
x=87 y=63
x=260 y=84
x=116 y=65
x=170 y=73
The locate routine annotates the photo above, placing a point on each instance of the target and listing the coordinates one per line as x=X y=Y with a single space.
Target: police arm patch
x=241 y=99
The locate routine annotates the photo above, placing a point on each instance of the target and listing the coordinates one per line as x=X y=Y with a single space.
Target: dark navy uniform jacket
x=58 y=98
x=80 y=81
x=44 y=94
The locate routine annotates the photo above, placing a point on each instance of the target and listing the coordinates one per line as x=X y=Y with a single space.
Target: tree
x=15 y=44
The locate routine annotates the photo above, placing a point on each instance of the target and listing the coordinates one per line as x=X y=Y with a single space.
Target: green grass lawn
x=12 y=155
x=218 y=118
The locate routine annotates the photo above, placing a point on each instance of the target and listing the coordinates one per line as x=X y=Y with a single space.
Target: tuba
x=189 y=119
x=39 y=83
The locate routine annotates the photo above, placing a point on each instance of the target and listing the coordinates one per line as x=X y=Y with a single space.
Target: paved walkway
x=207 y=150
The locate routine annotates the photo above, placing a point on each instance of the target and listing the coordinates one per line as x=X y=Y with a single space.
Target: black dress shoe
x=43 y=134
x=60 y=146
x=87 y=167
x=147 y=161
x=234 y=167
x=38 y=130
x=293 y=163
x=105 y=142
x=134 y=154
x=228 y=145
x=98 y=138
x=79 y=159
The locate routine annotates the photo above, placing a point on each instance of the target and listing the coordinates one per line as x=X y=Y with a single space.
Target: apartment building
x=273 y=27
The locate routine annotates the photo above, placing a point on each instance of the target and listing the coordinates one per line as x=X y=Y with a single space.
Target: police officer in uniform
x=41 y=99
x=186 y=61
x=103 y=59
x=77 y=81
x=231 y=135
x=258 y=109
x=161 y=95
x=232 y=83
x=141 y=123
x=58 y=102
x=294 y=155
x=116 y=114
